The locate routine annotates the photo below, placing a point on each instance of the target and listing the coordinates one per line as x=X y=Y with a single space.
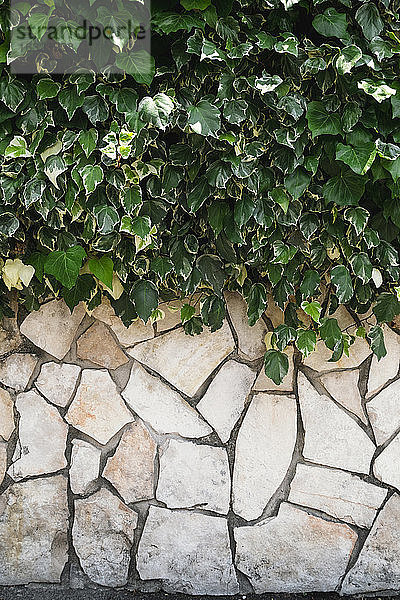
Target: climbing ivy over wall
x=260 y=152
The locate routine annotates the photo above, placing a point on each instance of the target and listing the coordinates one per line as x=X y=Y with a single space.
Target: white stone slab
x=16 y=370
x=385 y=369
x=384 y=412
x=85 y=466
x=251 y=339
x=387 y=464
x=343 y=386
x=57 y=382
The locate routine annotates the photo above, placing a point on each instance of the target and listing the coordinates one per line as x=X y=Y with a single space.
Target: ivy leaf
x=198 y=195
x=88 y=140
x=387 y=307
x=297 y=183
x=212 y=271
x=172 y=22
x=156 y=110
x=330 y=333
x=377 y=339
x=276 y=365
x=256 y=303
x=213 y=312
x=17 y=148
x=91 y=175
x=65 y=265
x=140 y=64
x=124 y=309
x=102 y=268
x=310 y=283
x=204 y=118
x=131 y=198
x=361 y=266
x=12 y=92
x=377 y=89
x=187 y=312
x=345 y=189
x=341 y=279
x=358 y=217
x=283 y=335
x=47 y=88
x=368 y=17
x=140 y=226
x=358 y=159
x=70 y=100
x=161 y=265
x=145 y=298
x=80 y=292
x=347 y=59
x=306 y=341
x=322 y=122
x=106 y=218
x=195 y=4
x=95 y=108
x=312 y=309
x=331 y=24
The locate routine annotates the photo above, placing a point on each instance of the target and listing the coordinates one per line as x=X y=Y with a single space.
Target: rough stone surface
x=265 y=384
x=294 y=552
x=387 y=464
x=7 y=424
x=384 y=413
x=16 y=370
x=52 y=327
x=161 y=407
x=98 y=345
x=33 y=531
x=387 y=368
x=264 y=450
x=194 y=476
x=250 y=339
x=131 y=469
x=343 y=387
x=337 y=493
x=42 y=438
x=184 y=360
x=319 y=360
x=57 y=382
x=3 y=461
x=189 y=552
x=127 y=336
x=102 y=534
x=85 y=466
x=172 y=312
x=97 y=409
x=332 y=437
x=225 y=399
x=378 y=566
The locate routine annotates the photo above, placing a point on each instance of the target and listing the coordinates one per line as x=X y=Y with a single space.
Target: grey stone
x=3 y=461
x=332 y=437
x=52 y=328
x=265 y=384
x=384 y=412
x=57 y=382
x=194 y=476
x=98 y=345
x=85 y=466
x=102 y=535
x=7 y=424
x=33 y=531
x=387 y=464
x=161 y=407
x=225 y=399
x=97 y=409
x=16 y=370
x=42 y=438
x=385 y=369
x=264 y=450
x=250 y=339
x=343 y=387
x=184 y=360
x=294 y=552
x=127 y=336
x=339 y=494
x=189 y=552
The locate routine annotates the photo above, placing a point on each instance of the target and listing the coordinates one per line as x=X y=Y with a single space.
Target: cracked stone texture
x=189 y=552
x=131 y=468
x=33 y=531
x=378 y=566
x=102 y=534
x=183 y=360
x=127 y=336
x=384 y=413
x=3 y=461
x=57 y=382
x=387 y=464
x=194 y=476
x=251 y=339
x=265 y=384
x=98 y=409
x=294 y=552
x=332 y=437
x=52 y=328
x=16 y=370
x=42 y=438
x=264 y=450
x=173 y=317
x=85 y=466
x=7 y=424
x=99 y=347
x=225 y=399
x=343 y=387
x=387 y=368
x=336 y=493
x=161 y=407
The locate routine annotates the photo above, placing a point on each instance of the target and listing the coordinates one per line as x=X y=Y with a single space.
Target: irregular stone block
x=319 y=359
x=127 y=336
x=386 y=465
x=377 y=568
x=161 y=407
x=172 y=312
x=184 y=360
x=294 y=552
x=52 y=328
x=251 y=339
x=16 y=370
x=7 y=424
x=85 y=466
x=98 y=345
x=264 y=450
x=33 y=531
x=97 y=409
x=57 y=382
x=102 y=536
x=42 y=438
x=189 y=552
x=332 y=437
x=3 y=461
x=387 y=368
x=193 y=475
x=384 y=412
x=225 y=399
x=337 y=493
x=265 y=384
x=131 y=469
x=343 y=386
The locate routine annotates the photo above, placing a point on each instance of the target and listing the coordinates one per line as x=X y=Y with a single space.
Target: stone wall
x=146 y=459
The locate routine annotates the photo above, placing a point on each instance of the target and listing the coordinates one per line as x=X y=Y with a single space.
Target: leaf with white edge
x=187 y=312
x=267 y=83
x=198 y=195
x=306 y=341
x=312 y=309
x=65 y=265
x=38 y=23
x=102 y=268
x=212 y=271
x=359 y=159
x=140 y=226
x=358 y=217
x=341 y=279
x=256 y=303
x=310 y=283
x=88 y=140
x=156 y=111
x=368 y=17
x=53 y=167
x=377 y=341
x=276 y=365
x=289 y=45
x=204 y=118
x=47 y=88
x=106 y=217
x=347 y=59
x=145 y=298
x=283 y=335
x=279 y=196
x=377 y=89
x=387 y=307
x=17 y=148
x=322 y=122
x=91 y=175
x=140 y=64
x=12 y=92
x=361 y=266
x=213 y=311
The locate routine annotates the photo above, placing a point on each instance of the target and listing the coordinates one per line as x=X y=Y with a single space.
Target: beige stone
x=16 y=370
x=3 y=461
x=343 y=387
x=127 y=336
x=33 y=531
x=102 y=535
x=7 y=424
x=294 y=552
x=99 y=347
x=97 y=409
x=52 y=328
x=172 y=312
x=265 y=384
x=384 y=412
x=85 y=466
x=387 y=464
x=57 y=382
x=319 y=359
x=250 y=339
x=264 y=450
x=131 y=468
x=385 y=369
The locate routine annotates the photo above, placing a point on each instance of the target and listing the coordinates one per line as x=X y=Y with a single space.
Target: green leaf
x=377 y=89
x=34 y=191
x=91 y=175
x=387 y=307
x=140 y=64
x=161 y=265
x=88 y=140
x=212 y=271
x=145 y=297
x=347 y=59
x=322 y=122
x=65 y=265
x=204 y=118
x=368 y=17
x=106 y=218
x=297 y=182
x=17 y=148
x=140 y=226
x=198 y=195
x=195 y=4
x=345 y=189
x=377 y=339
x=283 y=336
x=276 y=365
x=70 y=100
x=170 y=22
x=38 y=23
x=330 y=333
x=95 y=108
x=331 y=24
x=358 y=217
x=124 y=309
x=12 y=92
x=213 y=311
x=361 y=266
x=306 y=341
x=341 y=279
x=279 y=196
x=187 y=312
x=102 y=268
x=256 y=303
x=289 y=45
x=310 y=283
x=47 y=88
x=131 y=198
x=80 y=292
x=313 y=309
x=358 y=159
x=156 y=111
